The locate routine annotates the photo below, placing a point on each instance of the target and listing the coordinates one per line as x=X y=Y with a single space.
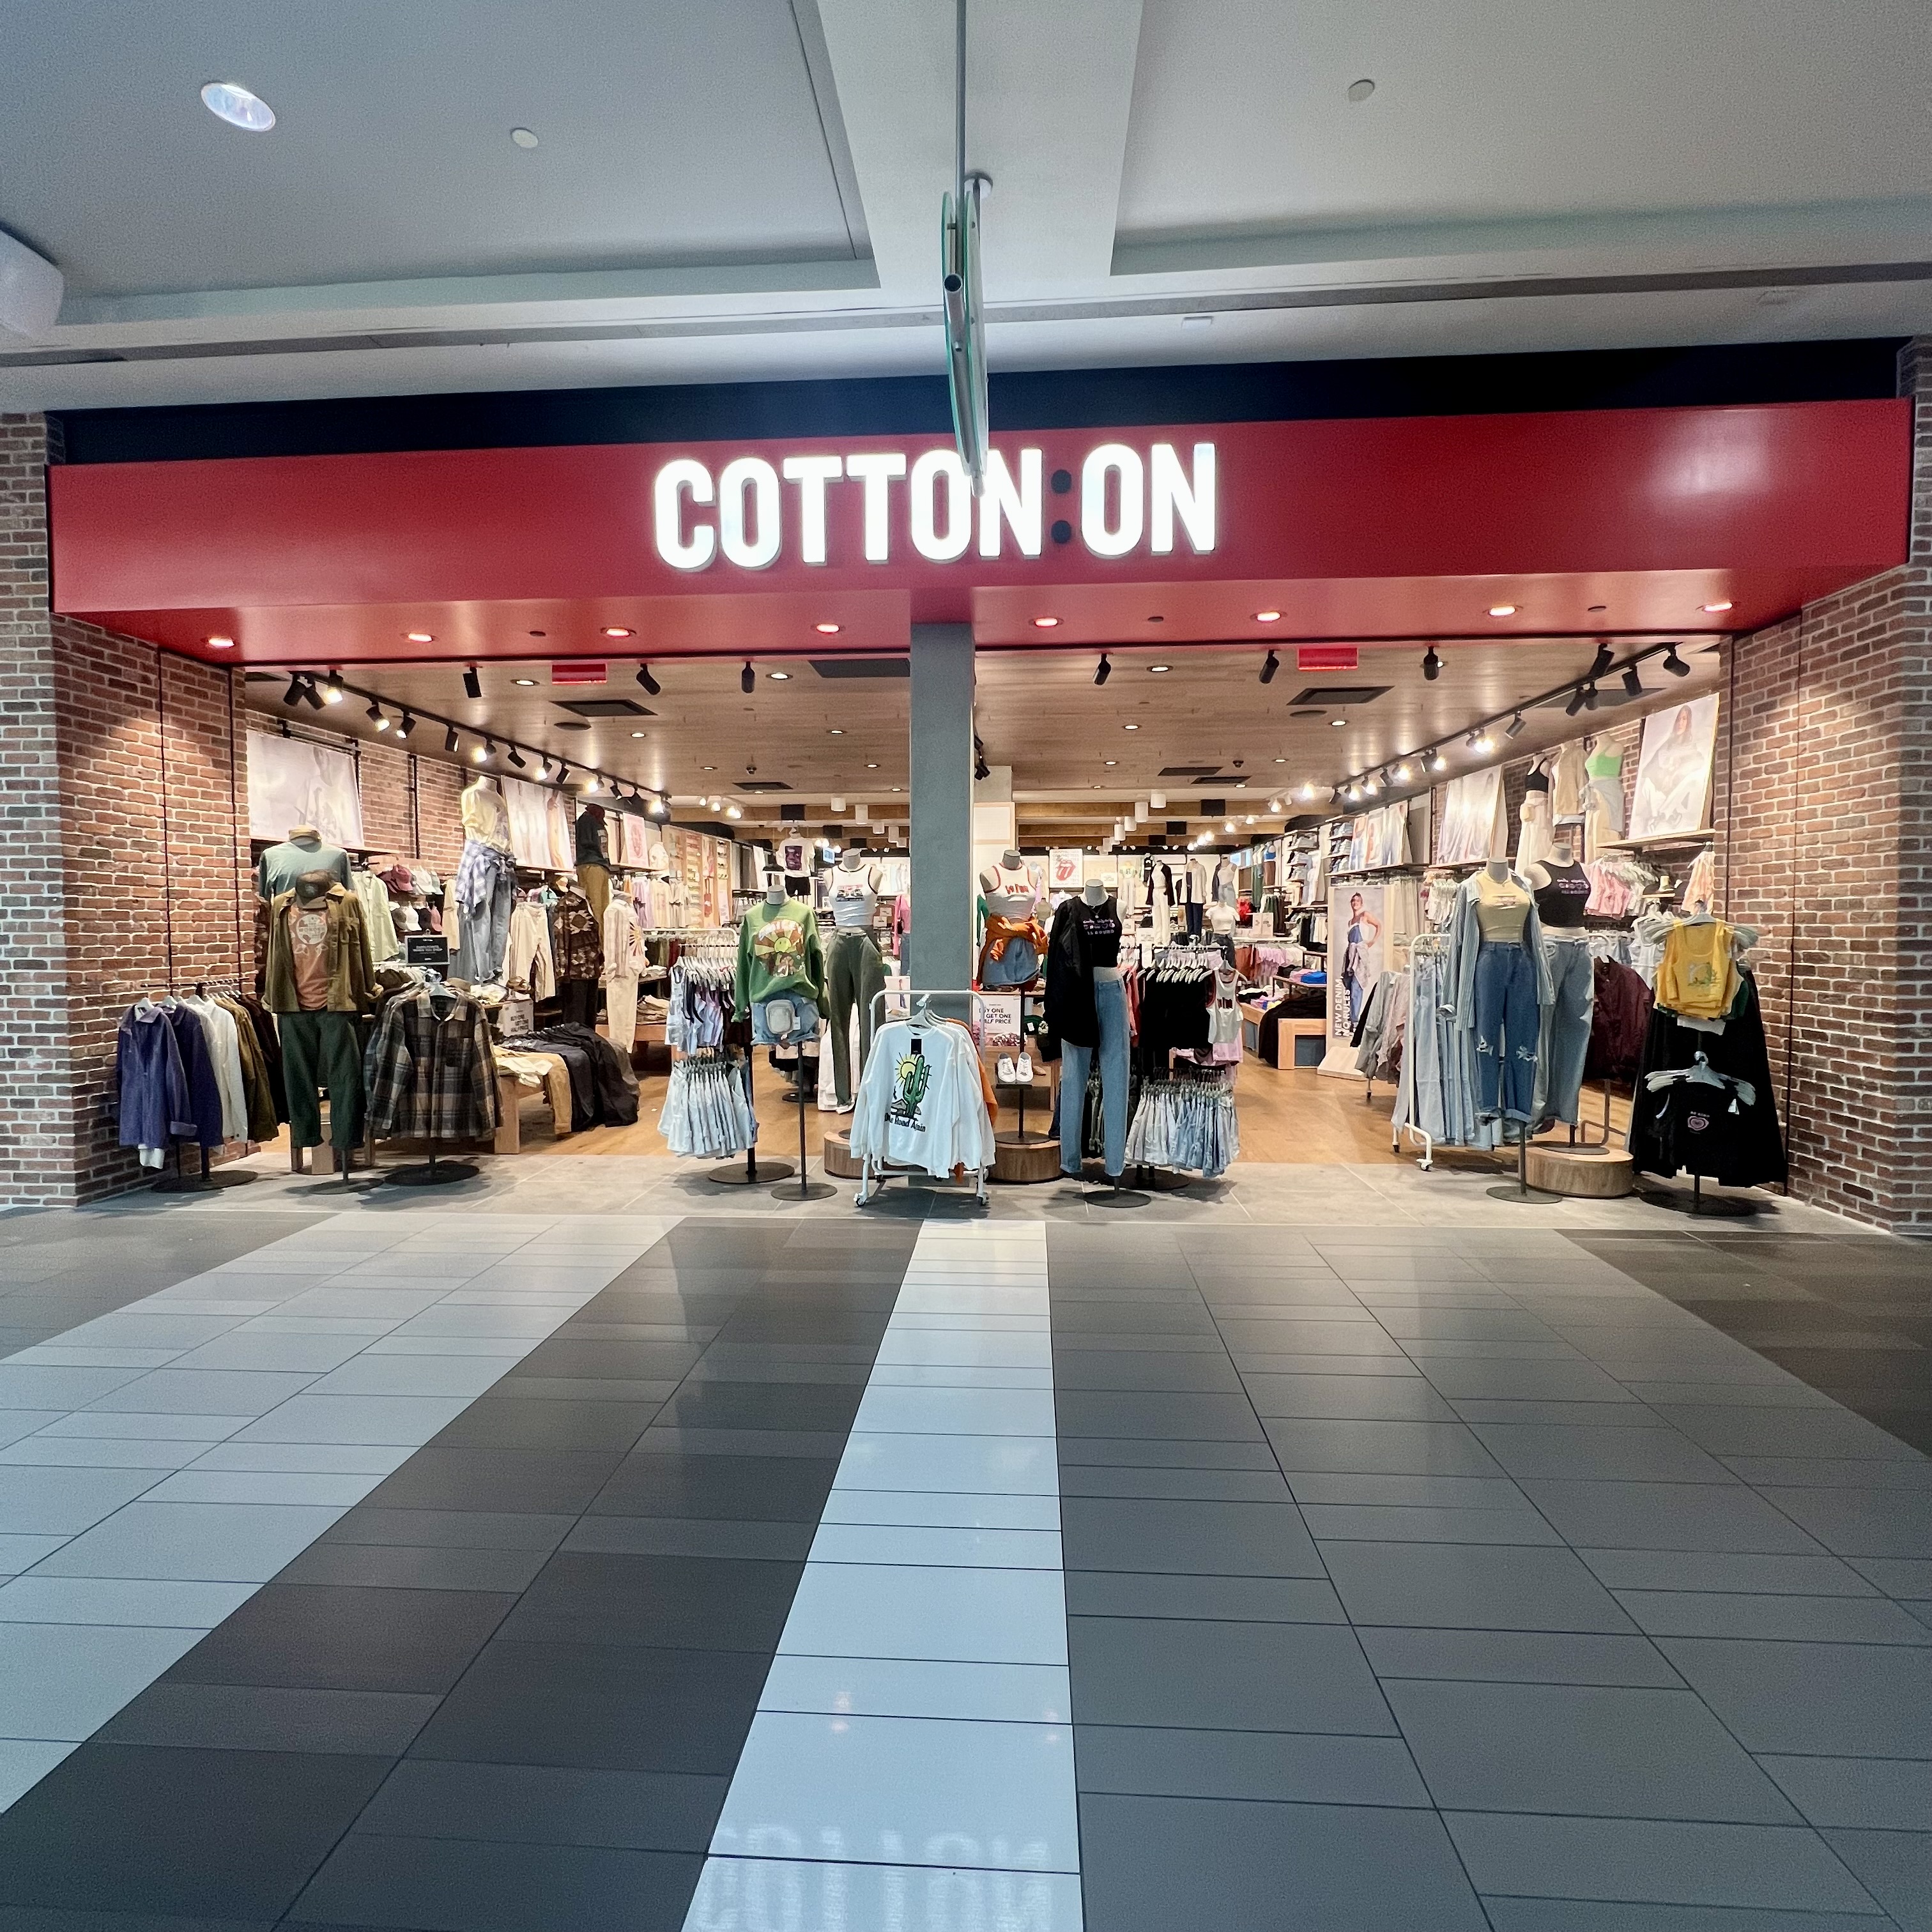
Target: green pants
x=322 y=1051
x=853 y=973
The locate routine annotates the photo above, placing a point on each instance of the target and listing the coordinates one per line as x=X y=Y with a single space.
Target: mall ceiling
x=1080 y=753
x=750 y=188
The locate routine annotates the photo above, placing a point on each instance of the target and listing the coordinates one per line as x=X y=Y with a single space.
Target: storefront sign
x=751 y=513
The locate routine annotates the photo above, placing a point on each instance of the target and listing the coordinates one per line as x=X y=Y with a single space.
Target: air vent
x=573 y=724
x=604 y=707
x=1339 y=697
x=761 y=784
x=863 y=667
x=1189 y=771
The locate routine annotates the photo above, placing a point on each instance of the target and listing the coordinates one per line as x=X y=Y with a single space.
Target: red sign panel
x=1327 y=657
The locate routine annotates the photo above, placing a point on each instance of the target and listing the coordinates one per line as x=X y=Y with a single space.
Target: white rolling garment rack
x=870 y=1172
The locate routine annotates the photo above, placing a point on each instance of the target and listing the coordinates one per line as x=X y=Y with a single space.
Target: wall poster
x=1473 y=823
x=1356 y=954
x=1673 y=769
x=295 y=782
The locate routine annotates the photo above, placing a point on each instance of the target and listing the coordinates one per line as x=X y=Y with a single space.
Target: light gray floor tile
x=203 y=1392
x=214 y=1543
x=1589 y=1749
x=1517 y=1657
x=397 y=1421
x=244 y=1349
x=1881 y=1794
x=58 y=1388
x=1388 y=1448
x=1668 y=1516
x=17 y=1424
x=894 y=1688
x=152 y=1604
x=991 y=1616
x=57 y=1502
x=829 y=1896
x=1850 y=1700
x=1665 y=1862
x=463 y=1376
x=64 y=1681
x=1470 y=1586
x=264 y=1486
x=24 y=1761
x=948 y=1548
x=1282 y=1765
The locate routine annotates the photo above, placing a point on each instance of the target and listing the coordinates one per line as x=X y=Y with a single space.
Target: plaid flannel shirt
x=576 y=939
x=431 y=1079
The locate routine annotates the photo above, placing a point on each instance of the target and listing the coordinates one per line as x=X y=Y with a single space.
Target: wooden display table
x=1559 y=1169
x=836 y=1148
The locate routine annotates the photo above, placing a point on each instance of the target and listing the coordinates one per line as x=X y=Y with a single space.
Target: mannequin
x=781 y=971
x=1533 y=841
x=486 y=883
x=1012 y=939
x=1561 y=889
x=319 y=977
x=303 y=851
x=1502 y=983
x=1007 y=887
x=593 y=858
x=1086 y=1012
x=854 y=972
x=577 y=947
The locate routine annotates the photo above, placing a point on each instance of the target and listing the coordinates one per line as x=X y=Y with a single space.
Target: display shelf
x=1702 y=835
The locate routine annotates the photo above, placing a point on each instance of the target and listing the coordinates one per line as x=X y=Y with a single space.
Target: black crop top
x=1560 y=904
x=1100 y=929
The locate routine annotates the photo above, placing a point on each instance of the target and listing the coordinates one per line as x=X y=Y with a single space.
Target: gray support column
x=939 y=951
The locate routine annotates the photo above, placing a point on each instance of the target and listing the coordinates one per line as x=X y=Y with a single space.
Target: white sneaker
x=1023 y=1069
x=1003 y=1073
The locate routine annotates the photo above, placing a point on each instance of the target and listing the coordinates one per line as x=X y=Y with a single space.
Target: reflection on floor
x=586 y=1547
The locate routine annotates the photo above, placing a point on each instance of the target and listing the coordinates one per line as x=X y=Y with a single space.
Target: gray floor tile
x=1284 y=1766
x=1123 y=1452
x=1115 y=1593
x=414 y=1567
x=1728 y=1571
x=451 y=1529
x=52 y=1501
x=1348 y=1398
x=1591 y=1750
x=1895 y=1867
x=1863 y=1522
x=1599 y=1455
x=1526 y=1381
x=1850 y=1700
x=1880 y=1794
x=1144 y=1368
x=1222 y=1676
x=1707 y=1517
x=1345 y=1489
x=1240 y=1486
x=1517 y=1656
x=1355 y=1522
x=1391 y=1448
x=1433 y=1586
x=1662 y=1862
x=1592 y=1915
x=1152 y=1864
x=1802 y=1619
x=257 y=1717
x=1148 y=1415
x=1192 y=1537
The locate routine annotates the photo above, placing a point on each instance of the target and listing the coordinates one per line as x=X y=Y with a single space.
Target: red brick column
x=1823 y=792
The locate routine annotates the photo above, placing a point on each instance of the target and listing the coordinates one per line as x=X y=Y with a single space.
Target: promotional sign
x=1673 y=769
x=996 y=1021
x=427 y=948
x=1062 y=870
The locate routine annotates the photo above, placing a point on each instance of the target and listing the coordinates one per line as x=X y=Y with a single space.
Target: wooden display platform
x=1027 y=1158
x=1557 y=1169
x=836 y=1144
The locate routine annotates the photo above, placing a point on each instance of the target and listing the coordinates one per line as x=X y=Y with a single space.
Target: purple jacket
x=155 y=1103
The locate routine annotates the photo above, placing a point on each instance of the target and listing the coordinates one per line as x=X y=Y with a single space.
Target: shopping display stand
x=872 y=1175
x=806 y=1188
x=1519 y=1190
x=1019 y=1156
x=754 y=1172
x=435 y=1172
x=1712 y=1206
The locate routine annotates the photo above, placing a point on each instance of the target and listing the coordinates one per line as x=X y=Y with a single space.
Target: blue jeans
x=1110 y=1008
x=1507 y=1024
x=1573 y=974
x=483 y=934
x=768 y=1030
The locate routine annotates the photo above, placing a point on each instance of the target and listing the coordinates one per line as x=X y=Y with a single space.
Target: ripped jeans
x=1508 y=1025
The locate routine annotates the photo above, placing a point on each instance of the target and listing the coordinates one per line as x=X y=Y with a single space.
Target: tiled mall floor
x=1338 y=1549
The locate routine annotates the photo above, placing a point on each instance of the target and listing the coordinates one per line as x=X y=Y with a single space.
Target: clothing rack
x=919 y=1010
x=180 y=1181
x=1430 y=946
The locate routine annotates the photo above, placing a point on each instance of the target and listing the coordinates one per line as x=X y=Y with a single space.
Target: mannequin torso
x=486 y=815
x=1007 y=888
x=281 y=867
x=1561 y=890
x=855 y=892
x=1502 y=905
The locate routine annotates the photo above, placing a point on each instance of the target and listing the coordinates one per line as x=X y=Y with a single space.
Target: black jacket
x=1079 y=931
x=1693 y=1128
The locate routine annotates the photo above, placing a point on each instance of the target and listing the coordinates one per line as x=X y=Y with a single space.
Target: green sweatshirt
x=778 y=953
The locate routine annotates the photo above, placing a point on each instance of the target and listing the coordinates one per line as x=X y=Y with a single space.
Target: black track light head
x=332 y=693
x=1590 y=698
x=1270 y=665
x=472 y=684
x=1437 y=761
x=1633 y=681
x=374 y=715
x=486 y=751
x=1431 y=664
x=747 y=679
x=293 y=695
x=562 y=772
x=516 y=757
x=981 y=769
x=649 y=683
x=1516 y=726
x=311 y=697
x=407 y=725
x=1601 y=664
x=449 y=740
x=1103 y=670
x=1674 y=665
x=543 y=768
x=1576 y=703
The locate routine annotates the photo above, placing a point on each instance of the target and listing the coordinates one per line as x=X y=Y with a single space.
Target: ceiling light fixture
x=1045 y=623
x=563 y=772
x=1307 y=791
x=1270 y=665
x=1600 y=664
x=1502 y=609
x=1110 y=761
x=311 y=697
x=648 y=683
x=1722 y=604
x=1576 y=703
x=1337 y=724
x=1590 y=696
x=1516 y=726
x=420 y=637
x=525 y=682
x=220 y=644
x=1130 y=727
x=1437 y=761
x=1404 y=773
x=485 y=752
x=1267 y=616
x=618 y=630
x=660 y=807
x=332 y=691
x=516 y=757
x=407 y=724
x=523 y=137
x=1484 y=744
x=1156 y=670
x=449 y=739
x=472 y=682
x=543 y=765
x=293 y=695
x=229 y=100
x=1469 y=742
x=747 y=679
x=1103 y=670
x=1674 y=665
x=828 y=630
x=374 y=715
x=592 y=783
x=1431 y=664
x=779 y=676
x=1633 y=681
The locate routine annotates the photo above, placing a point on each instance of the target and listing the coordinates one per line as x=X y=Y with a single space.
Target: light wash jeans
x=1110 y=1007
x=1507 y=1032
x=1566 y=1026
x=483 y=935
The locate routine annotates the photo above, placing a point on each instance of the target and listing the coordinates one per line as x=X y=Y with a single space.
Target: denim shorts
x=1018 y=963
x=784 y=1022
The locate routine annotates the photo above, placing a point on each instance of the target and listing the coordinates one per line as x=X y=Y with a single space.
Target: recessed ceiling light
x=522 y=137
x=1110 y=761
x=1130 y=727
x=420 y=637
x=618 y=630
x=1281 y=761
x=221 y=643
x=229 y=100
x=707 y=768
x=1156 y=669
x=1502 y=609
x=1338 y=722
x=1595 y=607
x=524 y=681
x=636 y=734
x=837 y=731
x=1359 y=91
x=1723 y=604
x=827 y=630
x=779 y=676
x=1267 y=616
x=1045 y=623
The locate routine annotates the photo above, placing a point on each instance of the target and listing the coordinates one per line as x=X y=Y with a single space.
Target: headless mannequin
x=854 y=972
x=1008 y=888
x=281 y=866
x=1502 y=905
x=1561 y=913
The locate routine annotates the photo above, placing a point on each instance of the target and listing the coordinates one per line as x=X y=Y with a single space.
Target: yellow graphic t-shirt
x=1698 y=976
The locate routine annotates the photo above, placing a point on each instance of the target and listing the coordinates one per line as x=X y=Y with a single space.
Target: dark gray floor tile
x=1592 y=1915
x=451 y=1529
x=1140 y=1452
x=1117 y=1593
x=439 y=1885
x=1713 y=1516
x=665 y=1438
x=1861 y=1522
x=1517 y=1656
x=1729 y=1572
x=232 y=1834
x=1385 y=1448
x=547 y=1804
x=345 y=1637
x=1144 y=1368
x=758 y=1405
x=394 y=1566
x=1152 y=1415
x=260 y=1718
x=1348 y=1398
x=1895 y=1867
x=1153 y=1864
x=1435 y=1585
x=1222 y=1676
x=1347 y=1489
x=1600 y=1455
x=686 y=1536
x=1655 y=1861
x=498 y=1423
x=1850 y=1700
x=665 y=1602
x=1799 y=1619
x=762 y=1488
x=1239 y=1485
x=1525 y=1382
x=1195 y=1538
x=1384 y=1522
x=1879 y=1794
x=35 y=1918
x=604 y=1356
x=523 y=1480
x=1306 y=1335
x=1597 y=1752
x=829 y=1375
x=1072 y=1319
x=1280 y=1765
x=599 y=1707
